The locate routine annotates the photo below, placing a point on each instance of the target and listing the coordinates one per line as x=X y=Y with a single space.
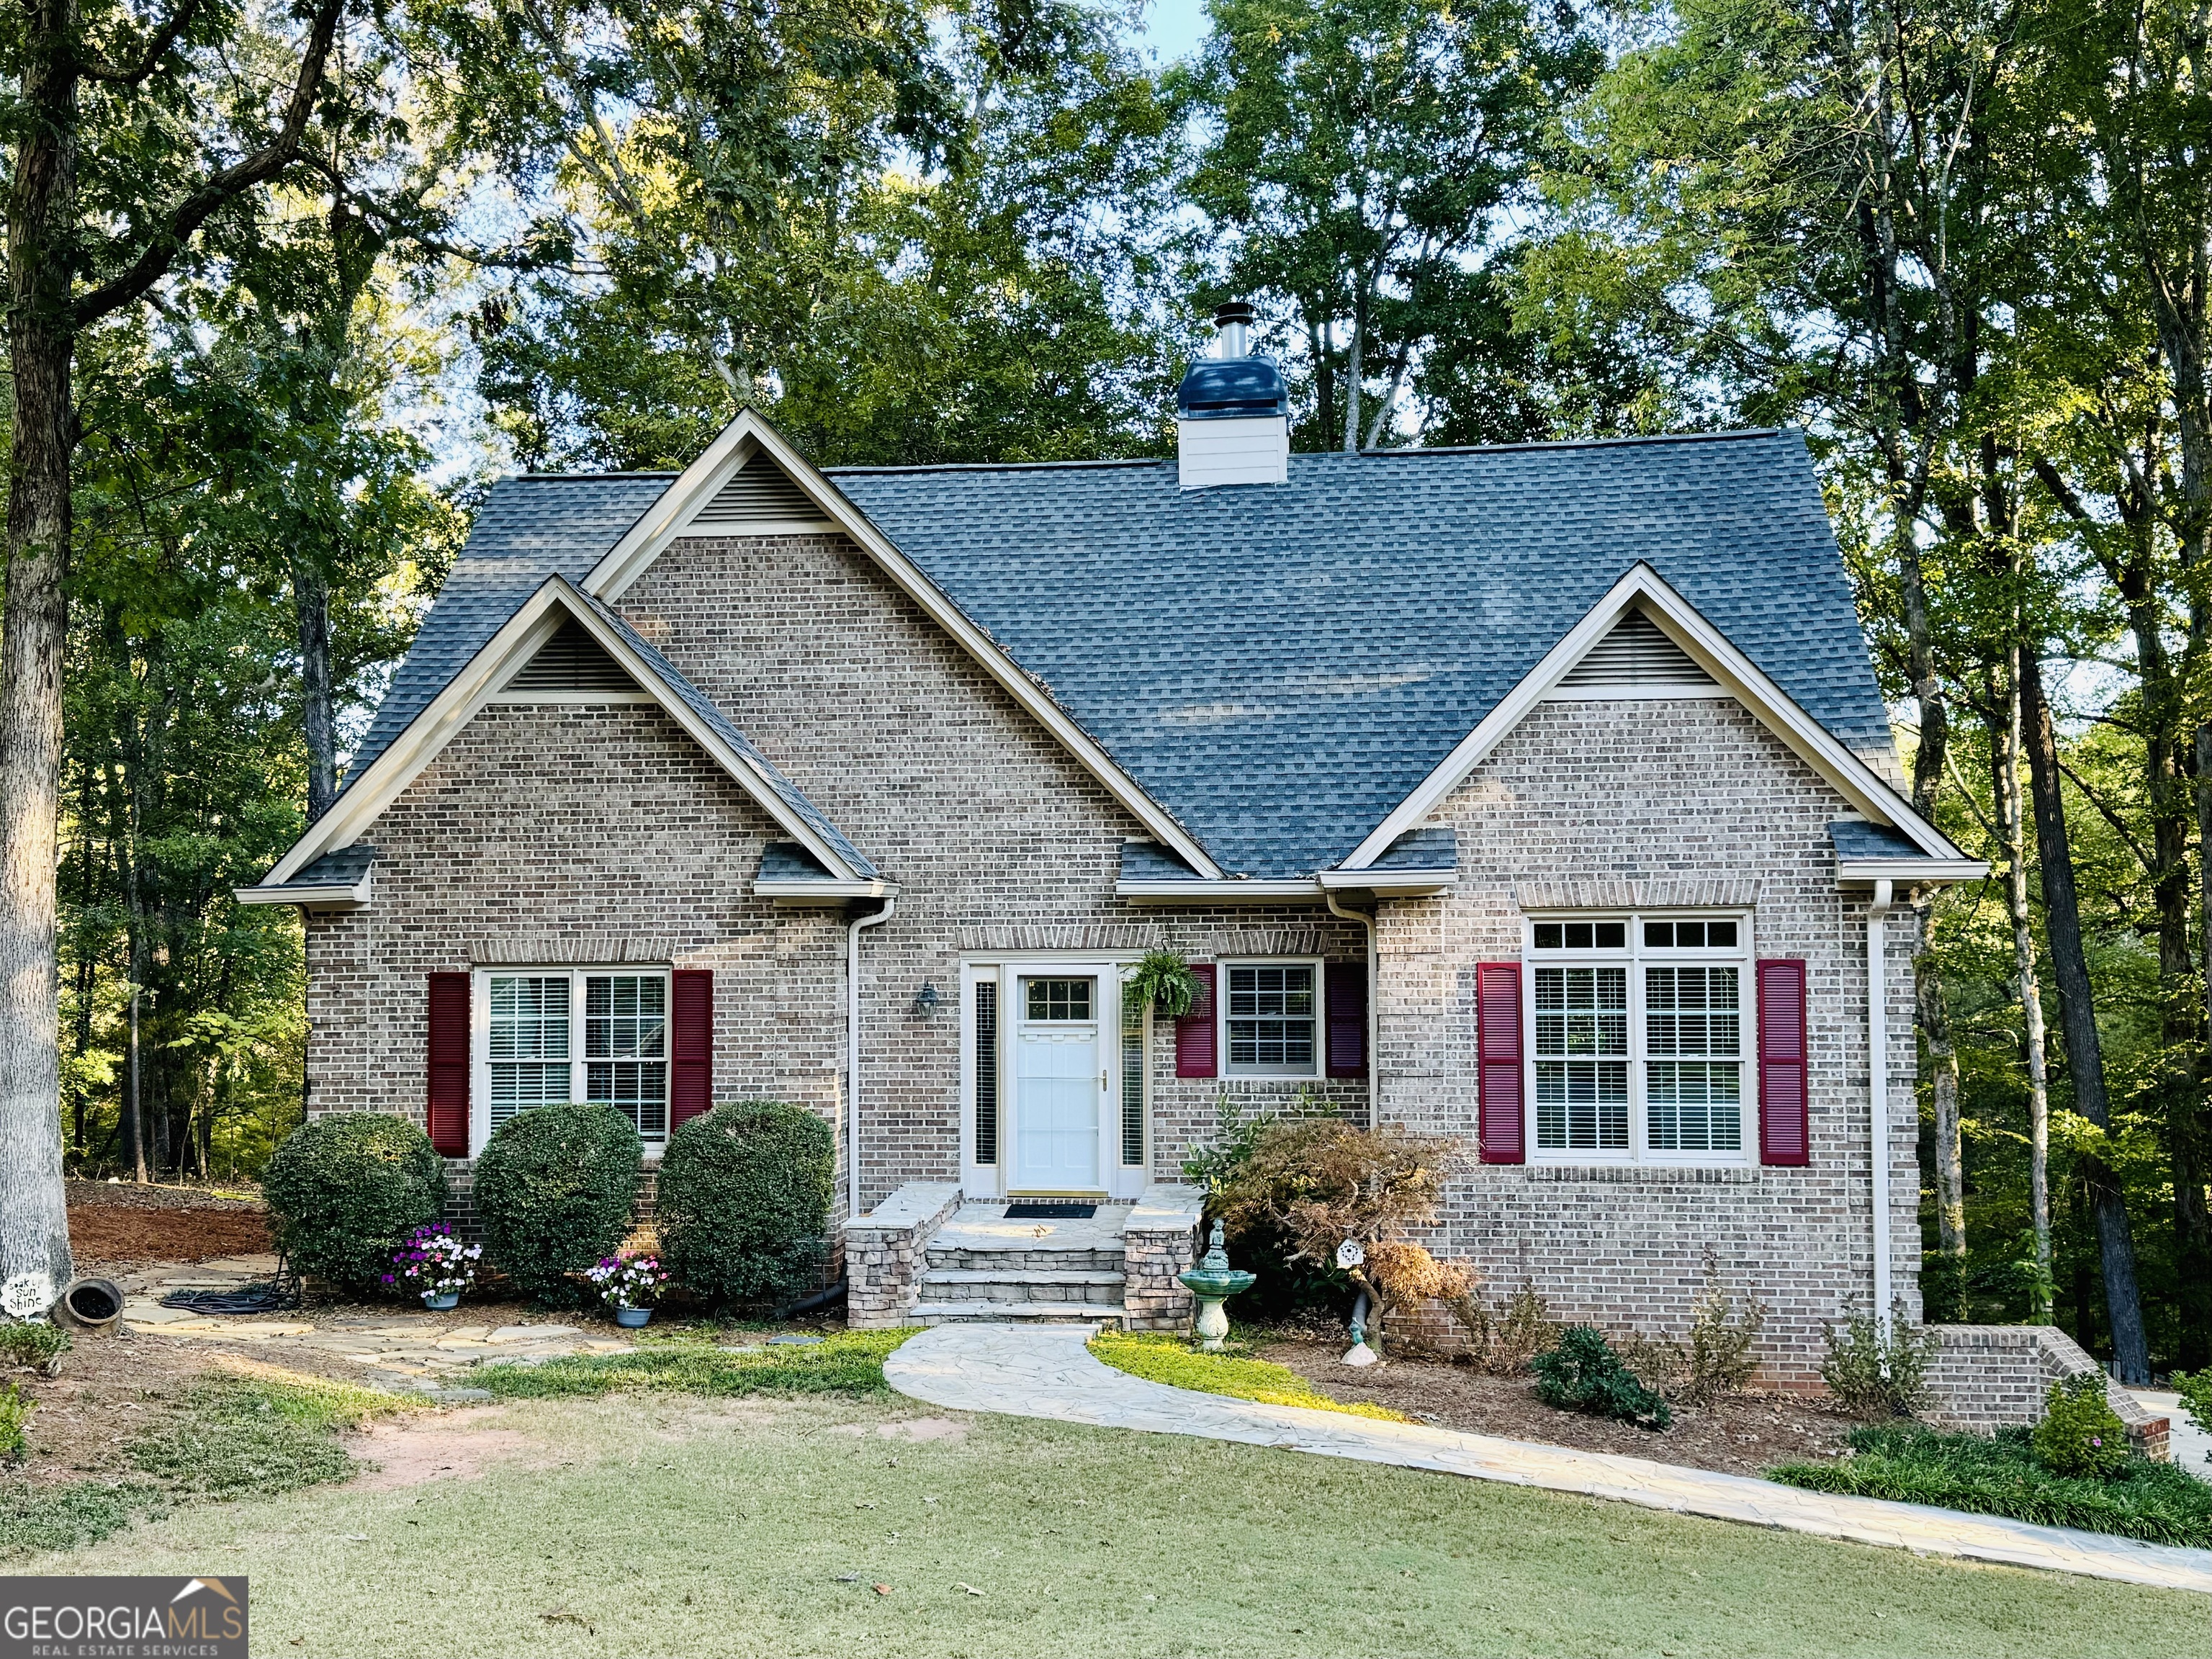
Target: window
x=987 y=1072
x=1268 y=1017
x=1060 y=1000
x=534 y=1056
x=1638 y=1033
x=1132 y=1080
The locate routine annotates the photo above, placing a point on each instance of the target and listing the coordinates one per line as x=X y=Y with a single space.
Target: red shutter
x=692 y=1044
x=1785 y=1131
x=1345 y=1000
x=1497 y=1060
x=449 y=1064
x=1194 y=1043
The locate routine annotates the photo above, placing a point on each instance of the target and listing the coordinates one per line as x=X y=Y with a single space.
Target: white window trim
x=1744 y=957
x=480 y=980
x=1320 y=1016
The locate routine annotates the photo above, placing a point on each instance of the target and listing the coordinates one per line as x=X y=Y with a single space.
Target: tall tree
x=117 y=166
x=1363 y=155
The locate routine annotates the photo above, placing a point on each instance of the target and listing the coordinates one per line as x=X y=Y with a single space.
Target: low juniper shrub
x=556 y=1188
x=1583 y=1374
x=343 y=1190
x=2080 y=1434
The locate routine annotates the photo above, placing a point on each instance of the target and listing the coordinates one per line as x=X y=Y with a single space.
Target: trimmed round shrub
x=555 y=1190
x=742 y=1206
x=341 y=1189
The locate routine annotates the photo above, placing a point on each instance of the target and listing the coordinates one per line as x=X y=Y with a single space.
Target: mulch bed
x=115 y=1225
x=1743 y=1434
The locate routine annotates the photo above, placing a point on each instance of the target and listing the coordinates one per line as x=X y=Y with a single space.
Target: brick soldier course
x=980 y=730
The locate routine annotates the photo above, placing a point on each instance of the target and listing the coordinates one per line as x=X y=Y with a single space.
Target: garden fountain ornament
x=1213 y=1281
x=1349 y=1255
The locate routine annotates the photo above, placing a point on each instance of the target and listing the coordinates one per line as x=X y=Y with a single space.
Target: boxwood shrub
x=743 y=1206
x=556 y=1188
x=342 y=1189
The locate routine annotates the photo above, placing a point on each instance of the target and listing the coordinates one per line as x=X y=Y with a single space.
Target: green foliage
x=31 y=1342
x=1164 y=981
x=253 y=1439
x=1158 y=1358
x=15 y=1409
x=1875 y=1373
x=845 y=1363
x=34 y=1518
x=2080 y=1434
x=555 y=1191
x=2194 y=1388
x=2003 y=1475
x=343 y=1189
x=1583 y=1374
x=742 y=1206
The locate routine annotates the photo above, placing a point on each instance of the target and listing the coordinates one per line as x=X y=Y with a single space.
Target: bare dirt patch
x=1744 y=1434
x=112 y=1226
x=452 y=1446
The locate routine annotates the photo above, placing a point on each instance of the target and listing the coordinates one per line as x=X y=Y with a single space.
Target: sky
x=1172 y=27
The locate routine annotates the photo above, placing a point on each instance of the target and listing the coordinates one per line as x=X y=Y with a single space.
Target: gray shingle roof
x=340 y=869
x=528 y=529
x=1280 y=665
x=1855 y=838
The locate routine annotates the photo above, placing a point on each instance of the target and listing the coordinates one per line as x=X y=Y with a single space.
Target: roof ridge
x=1734 y=434
x=996 y=466
x=578 y=478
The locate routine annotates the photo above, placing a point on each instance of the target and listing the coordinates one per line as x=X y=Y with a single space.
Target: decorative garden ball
x=1213 y=1281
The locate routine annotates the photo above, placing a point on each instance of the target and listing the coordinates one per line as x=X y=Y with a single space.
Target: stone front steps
x=1012 y=1286
x=980 y=1266
x=1023 y=1313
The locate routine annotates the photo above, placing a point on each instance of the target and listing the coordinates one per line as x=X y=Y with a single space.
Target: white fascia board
x=1303 y=888
x=1389 y=883
x=1918 y=872
x=331 y=895
x=1852 y=778
x=536 y=621
x=823 y=892
x=664 y=523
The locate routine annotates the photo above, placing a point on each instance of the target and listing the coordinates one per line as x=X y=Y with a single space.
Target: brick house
x=1541 y=794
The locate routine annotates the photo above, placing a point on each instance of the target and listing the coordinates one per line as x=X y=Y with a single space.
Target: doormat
x=1050 y=1209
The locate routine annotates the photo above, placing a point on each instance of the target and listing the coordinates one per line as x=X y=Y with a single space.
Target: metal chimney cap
x=1233 y=311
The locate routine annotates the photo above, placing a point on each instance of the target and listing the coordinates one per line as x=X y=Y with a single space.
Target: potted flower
x=630 y=1284
x=435 y=1265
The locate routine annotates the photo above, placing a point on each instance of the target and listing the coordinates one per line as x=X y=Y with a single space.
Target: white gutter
x=1383 y=884
x=1878 y=1093
x=853 y=1051
x=328 y=896
x=1374 y=1008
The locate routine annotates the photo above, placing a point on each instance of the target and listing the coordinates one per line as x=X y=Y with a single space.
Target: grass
x=1999 y=1475
x=255 y=1433
x=648 y=1522
x=1158 y=1358
x=849 y=1362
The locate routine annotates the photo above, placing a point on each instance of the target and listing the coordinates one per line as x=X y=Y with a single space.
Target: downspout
x=1878 y=1094
x=853 y=1051
x=1374 y=1002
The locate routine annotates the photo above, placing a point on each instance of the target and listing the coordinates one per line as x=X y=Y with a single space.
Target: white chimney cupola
x=1232 y=412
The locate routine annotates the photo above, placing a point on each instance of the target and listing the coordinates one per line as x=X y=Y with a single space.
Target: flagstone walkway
x=403 y=1348
x=1046 y=1371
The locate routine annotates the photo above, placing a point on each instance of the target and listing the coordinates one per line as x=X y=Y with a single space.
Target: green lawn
x=659 y=1523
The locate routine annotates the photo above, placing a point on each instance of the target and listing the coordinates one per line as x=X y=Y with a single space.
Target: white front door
x=1059 y=1081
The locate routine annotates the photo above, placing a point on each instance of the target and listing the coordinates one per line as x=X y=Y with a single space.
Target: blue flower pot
x=630 y=1318
x=437 y=1303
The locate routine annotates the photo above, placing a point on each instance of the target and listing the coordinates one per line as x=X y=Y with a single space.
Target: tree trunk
x=311 y=599
x=41 y=338
x=2077 y=1014
x=2004 y=755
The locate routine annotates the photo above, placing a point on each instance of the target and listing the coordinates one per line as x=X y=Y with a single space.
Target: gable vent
x=572 y=660
x=759 y=492
x=1636 y=653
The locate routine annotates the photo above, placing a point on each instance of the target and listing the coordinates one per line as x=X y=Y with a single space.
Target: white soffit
x=1643 y=589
